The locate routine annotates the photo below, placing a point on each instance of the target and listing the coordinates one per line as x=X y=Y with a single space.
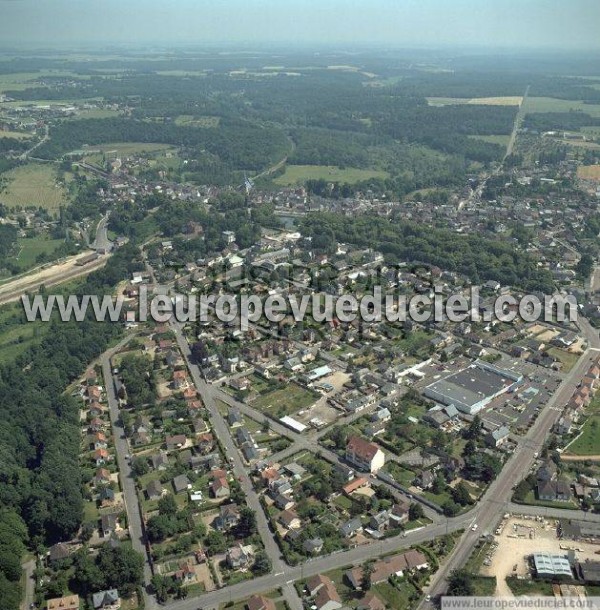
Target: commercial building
x=473 y=388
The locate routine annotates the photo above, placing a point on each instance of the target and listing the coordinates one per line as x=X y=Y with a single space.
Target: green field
x=97 y=113
x=298 y=174
x=286 y=401
x=589 y=441
x=31 y=247
x=126 y=148
x=194 y=121
x=17 y=135
x=550 y=104
x=33 y=185
x=496 y=139
x=16 y=337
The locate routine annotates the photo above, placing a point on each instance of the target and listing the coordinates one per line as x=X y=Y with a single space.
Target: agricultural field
x=186 y=120
x=589 y=172
x=17 y=135
x=298 y=174
x=97 y=113
x=478 y=101
x=126 y=148
x=494 y=139
x=33 y=185
x=550 y=104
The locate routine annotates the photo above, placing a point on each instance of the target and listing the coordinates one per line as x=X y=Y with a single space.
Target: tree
x=450 y=508
x=262 y=564
x=215 y=542
x=167 y=505
x=122 y=566
x=474 y=429
x=161 y=586
x=415 y=511
x=460 y=584
x=247 y=524
x=87 y=531
x=365 y=581
x=140 y=466
x=470 y=448
x=461 y=495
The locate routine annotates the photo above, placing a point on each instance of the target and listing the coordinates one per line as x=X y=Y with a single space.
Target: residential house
x=220 y=488
x=313 y=545
x=240 y=557
x=497 y=437
x=154 y=490
x=351 y=528
x=260 y=602
x=425 y=479
x=106 y=600
x=185 y=574
x=58 y=552
x=160 y=461
x=554 y=491
x=181 y=483
x=370 y=601
x=380 y=522
x=289 y=519
x=228 y=517
x=175 y=442
x=100 y=457
x=364 y=454
x=102 y=477
x=108 y=524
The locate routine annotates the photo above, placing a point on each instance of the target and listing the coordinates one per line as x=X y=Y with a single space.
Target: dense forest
x=477 y=257
x=39 y=431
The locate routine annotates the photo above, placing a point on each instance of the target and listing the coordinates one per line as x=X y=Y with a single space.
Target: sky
x=564 y=24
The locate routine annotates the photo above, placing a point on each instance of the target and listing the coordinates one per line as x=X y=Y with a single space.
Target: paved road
x=554 y=513
x=27 y=153
x=101 y=242
x=122 y=450
x=29 y=597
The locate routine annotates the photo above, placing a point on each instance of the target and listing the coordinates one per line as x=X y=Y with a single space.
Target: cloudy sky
x=564 y=24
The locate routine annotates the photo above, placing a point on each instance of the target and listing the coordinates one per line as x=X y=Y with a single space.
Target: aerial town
x=319 y=462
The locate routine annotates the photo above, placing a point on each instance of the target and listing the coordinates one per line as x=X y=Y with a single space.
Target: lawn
x=286 y=401
x=298 y=174
x=568 y=359
x=521 y=587
x=588 y=442
x=31 y=247
x=550 y=104
x=33 y=185
x=402 y=475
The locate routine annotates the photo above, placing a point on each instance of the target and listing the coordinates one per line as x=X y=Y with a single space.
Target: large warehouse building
x=471 y=389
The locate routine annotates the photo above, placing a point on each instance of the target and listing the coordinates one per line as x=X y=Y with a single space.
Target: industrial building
x=547 y=565
x=471 y=389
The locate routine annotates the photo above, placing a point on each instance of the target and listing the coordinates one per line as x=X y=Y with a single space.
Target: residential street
x=130 y=497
